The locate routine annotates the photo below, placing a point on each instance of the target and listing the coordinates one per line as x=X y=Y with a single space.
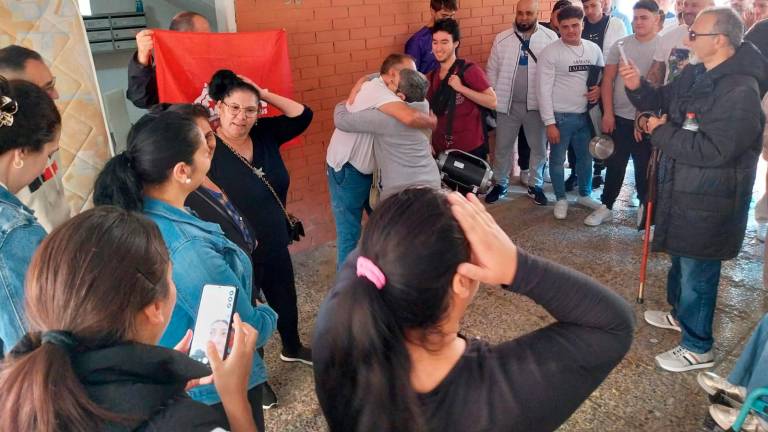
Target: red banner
x=186 y=61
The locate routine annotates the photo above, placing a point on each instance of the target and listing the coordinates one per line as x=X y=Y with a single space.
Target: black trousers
x=523 y=151
x=624 y=147
x=254 y=397
x=273 y=274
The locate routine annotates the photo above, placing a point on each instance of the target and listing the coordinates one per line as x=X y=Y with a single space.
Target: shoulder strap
x=527 y=48
x=461 y=65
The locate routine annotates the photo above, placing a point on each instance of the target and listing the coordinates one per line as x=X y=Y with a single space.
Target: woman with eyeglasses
x=248 y=167
x=30 y=127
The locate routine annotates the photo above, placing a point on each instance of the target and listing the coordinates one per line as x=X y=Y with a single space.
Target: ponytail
x=119 y=185
x=41 y=392
x=410 y=250
x=156 y=143
x=366 y=379
x=84 y=288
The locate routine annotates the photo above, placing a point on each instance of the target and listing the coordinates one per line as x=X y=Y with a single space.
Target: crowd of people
x=96 y=314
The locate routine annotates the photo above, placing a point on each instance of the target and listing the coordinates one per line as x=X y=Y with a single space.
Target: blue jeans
x=574 y=130
x=692 y=293
x=751 y=369
x=349 y=189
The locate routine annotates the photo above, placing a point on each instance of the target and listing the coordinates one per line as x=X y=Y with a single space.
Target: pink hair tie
x=367 y=269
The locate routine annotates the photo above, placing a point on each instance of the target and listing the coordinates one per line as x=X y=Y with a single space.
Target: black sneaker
x=597 y=181
x=537 y=195
x=268 y=397
x=497 y=192
x=570 y=182
x=303 y=355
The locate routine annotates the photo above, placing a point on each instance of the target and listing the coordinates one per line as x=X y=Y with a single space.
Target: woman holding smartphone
x=390 y=355
x=98 y=297
x=167 y=158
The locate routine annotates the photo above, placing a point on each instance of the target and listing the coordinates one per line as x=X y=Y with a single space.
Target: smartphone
x=622 y=53
x=213 y=322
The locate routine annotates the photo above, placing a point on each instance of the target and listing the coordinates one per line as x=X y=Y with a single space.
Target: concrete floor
x=636 y=396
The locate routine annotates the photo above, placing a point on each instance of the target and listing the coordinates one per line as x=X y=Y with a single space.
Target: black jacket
x=705 y=178
x=146 y=383
x=142 y=84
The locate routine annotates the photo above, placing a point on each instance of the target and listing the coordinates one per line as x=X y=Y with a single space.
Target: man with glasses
x=45 y=194
x=710 y=137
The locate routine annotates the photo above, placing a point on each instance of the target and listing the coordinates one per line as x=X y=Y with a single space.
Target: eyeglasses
x=250 y=112
x=692 y=35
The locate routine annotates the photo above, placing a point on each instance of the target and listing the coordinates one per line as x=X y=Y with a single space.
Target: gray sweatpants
x=507 y=128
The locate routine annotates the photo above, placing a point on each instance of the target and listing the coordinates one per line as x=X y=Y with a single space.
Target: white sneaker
x=589 y=202
x=598 y=216
x=524 y=174
x=561 y=209
x=761 y=230
x=679 y=359
x=661 y=319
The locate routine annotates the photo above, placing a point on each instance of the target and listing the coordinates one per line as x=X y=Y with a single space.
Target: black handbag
x=294 y=225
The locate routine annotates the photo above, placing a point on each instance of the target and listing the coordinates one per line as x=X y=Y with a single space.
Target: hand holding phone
x=231 y=375
x=622 y=53
x=213 y=322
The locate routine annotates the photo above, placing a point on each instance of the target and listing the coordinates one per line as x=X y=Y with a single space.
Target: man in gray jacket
x=403 y=154
x=511 y=71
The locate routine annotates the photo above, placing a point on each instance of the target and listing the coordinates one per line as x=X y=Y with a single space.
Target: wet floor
x=637 y=396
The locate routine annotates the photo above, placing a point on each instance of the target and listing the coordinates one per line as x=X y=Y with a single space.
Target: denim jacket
x=20 y=234
x=201 y=255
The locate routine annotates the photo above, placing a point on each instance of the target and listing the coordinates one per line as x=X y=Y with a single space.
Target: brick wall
x=331 y=44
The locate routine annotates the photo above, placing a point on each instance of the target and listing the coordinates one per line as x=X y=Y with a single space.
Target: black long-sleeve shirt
x=142 y=84
x=248 y=192
x=532 y=383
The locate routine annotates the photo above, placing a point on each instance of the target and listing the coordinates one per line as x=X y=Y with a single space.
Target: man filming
x=709 y=137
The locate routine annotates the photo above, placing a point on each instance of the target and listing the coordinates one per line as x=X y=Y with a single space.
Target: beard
x=524 y=27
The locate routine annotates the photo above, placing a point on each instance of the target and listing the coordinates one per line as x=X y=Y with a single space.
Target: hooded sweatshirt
x=145 y=383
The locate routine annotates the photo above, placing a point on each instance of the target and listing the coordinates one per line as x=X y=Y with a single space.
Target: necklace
x=583 y=49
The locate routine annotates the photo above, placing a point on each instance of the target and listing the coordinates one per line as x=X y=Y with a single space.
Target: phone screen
x=214 y=321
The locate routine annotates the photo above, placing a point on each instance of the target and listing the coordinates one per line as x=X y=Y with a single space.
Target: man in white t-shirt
x=619 y=113
x=563 y=71
x=349 y=157
x=672 y=55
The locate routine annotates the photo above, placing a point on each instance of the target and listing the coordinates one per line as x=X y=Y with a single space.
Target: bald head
x=188 y=21
x=526 y=15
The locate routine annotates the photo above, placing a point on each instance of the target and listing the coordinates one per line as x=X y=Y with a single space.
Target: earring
x=188 y=180
x=18 y=164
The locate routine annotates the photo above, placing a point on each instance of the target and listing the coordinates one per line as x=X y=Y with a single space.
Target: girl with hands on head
x=391 y=338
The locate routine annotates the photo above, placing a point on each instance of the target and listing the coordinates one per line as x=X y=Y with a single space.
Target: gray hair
x=727 y=22
x=413 y=85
